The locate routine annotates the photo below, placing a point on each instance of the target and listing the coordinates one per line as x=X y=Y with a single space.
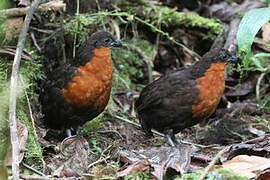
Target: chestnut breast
x=92 y=83
x=211 y=86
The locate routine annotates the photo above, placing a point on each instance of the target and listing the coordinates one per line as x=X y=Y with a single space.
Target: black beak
x=116 y=43
x=232 y=59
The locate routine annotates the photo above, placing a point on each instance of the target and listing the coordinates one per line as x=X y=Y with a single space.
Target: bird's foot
x=172 y=140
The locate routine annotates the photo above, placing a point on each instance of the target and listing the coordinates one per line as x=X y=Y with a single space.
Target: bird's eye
x=107 y=40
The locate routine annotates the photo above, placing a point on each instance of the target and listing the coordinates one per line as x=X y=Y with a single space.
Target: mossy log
x=168 y=17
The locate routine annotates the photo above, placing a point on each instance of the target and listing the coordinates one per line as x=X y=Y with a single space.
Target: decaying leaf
x=266 y=32
x=73 y=160
x=22 y=135
x=265 y=175
x=257 y=149
x=163 y=159
x=248 y=166
x=138 y=166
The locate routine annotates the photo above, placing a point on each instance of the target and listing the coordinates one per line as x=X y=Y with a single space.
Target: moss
x=4 y=125
x=81 y=23
x=33 y=155
x=172 y=17
x=138 y=175
x=30 y=73
x=93 y=125
x=129 y=63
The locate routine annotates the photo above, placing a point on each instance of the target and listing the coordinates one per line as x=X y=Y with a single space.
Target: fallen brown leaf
x=73 y=160
x=248 y=166
x=138 y=166
x=162 y=159
x=265 y=175
x=266 y=32
x=22 y=135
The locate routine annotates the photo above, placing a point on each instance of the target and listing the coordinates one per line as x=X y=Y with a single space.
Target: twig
x=213 y=162
x=101 y=159
x=256 y=140
x=33 y=169
x=45 y=31
x=98 y=161
x=258 y=86
x=13 y=90
x=77 y=25
x=35 y=41
x=14 y=11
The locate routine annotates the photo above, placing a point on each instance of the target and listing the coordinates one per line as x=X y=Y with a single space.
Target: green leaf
x=256 y=62
x=248 y=28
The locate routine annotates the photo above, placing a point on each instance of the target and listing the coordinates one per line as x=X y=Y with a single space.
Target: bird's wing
x=167 y=89
x=61 y=76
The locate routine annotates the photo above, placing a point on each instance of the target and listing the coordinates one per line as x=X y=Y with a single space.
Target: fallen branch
x=52 y=5
x=13 y=91
x=33 y=170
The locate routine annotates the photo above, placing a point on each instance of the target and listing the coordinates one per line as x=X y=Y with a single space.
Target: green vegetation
x=130 y=63
x=248 y=28
x=137 y=176
x=29 y=73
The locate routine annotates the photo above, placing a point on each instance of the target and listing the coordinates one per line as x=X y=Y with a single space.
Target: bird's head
x=104 y=39
x=225 y=57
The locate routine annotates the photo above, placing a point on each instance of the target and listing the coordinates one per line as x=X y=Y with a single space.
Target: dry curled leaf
x=248 y=166
x=22 y=136
x=73 y=160
x=162 y=159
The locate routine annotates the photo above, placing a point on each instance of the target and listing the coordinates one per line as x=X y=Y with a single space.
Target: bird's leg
x=177 y=141
x=68 y=131
x=169 y=139
x=172 y=140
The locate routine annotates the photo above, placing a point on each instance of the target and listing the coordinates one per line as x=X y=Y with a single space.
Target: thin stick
x=13 y=90
x=213 y=162
x=33 y=169
x=35 y=41
x=258 y=86
x=77 y=25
